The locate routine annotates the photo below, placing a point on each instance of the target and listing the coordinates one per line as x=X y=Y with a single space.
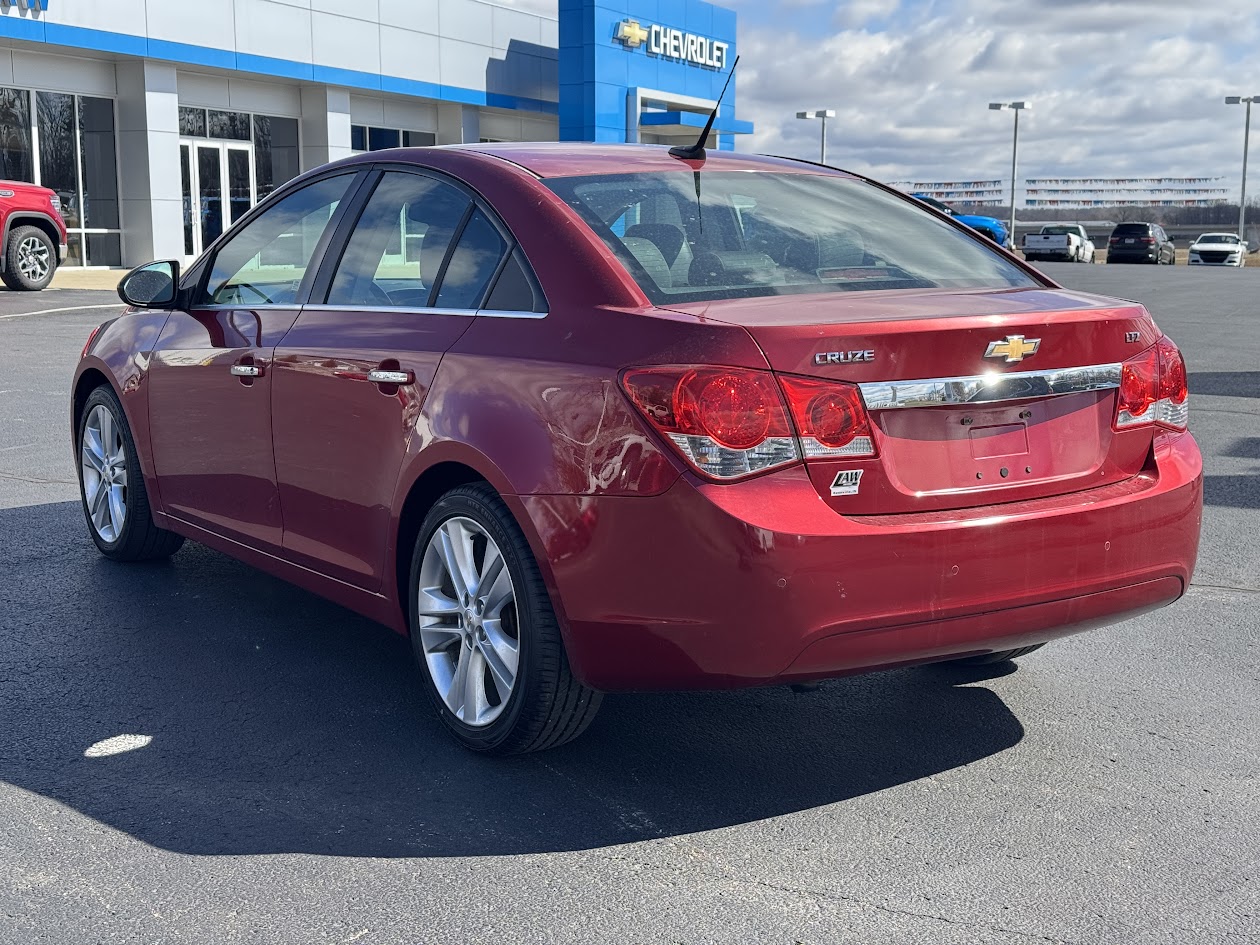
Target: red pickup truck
x=34 y=235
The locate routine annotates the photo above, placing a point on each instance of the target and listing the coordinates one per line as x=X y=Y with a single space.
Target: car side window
x=516 y=290
x=265 y=261
x=472 y=265
x=400 y=243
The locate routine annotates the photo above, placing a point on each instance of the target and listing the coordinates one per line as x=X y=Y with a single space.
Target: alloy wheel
x=103 y=458
x=33 y=259
x=468 y=621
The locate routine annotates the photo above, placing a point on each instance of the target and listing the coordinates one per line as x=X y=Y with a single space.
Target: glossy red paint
x=211 y=431
x=661 y=578
x=733 y=584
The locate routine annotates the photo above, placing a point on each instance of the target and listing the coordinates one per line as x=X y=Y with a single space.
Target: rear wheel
x=484 y=633
x=998 y=656
x=30 y=259
x=115 y=502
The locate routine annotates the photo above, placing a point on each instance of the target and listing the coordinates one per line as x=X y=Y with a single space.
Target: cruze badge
x=843 y=357
x=1014 y=348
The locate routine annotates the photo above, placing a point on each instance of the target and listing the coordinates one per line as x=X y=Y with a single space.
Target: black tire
x=21 y=239
x=999 y=656
x=139 y=539
x=547 y=705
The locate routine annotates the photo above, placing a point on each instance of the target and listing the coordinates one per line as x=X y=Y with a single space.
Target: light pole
x=824 y=114
x=1242 y=199
x=1016 y=107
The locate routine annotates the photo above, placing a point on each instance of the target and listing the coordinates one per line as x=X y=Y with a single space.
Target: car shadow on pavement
x=281 y=723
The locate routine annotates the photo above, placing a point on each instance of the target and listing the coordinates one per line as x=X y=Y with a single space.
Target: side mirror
x=153 y=285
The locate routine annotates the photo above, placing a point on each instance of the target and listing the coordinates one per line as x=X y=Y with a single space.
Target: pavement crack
x=1226 y=587
x=42 y=482
x=910 y=913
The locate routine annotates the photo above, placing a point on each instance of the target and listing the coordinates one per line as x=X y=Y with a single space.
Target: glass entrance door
x=219 y=188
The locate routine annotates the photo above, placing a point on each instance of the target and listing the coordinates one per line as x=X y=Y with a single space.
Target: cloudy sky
x=1119 y=87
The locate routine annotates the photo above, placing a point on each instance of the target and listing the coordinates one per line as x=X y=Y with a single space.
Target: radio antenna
x=695 y=152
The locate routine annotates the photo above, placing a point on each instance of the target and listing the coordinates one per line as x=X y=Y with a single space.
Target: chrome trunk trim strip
x=993 y=387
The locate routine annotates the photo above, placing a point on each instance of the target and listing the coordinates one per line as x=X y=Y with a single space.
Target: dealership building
x=159 y=122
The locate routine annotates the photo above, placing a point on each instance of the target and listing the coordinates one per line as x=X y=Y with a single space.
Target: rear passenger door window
x=398 y=249
x=472 y=265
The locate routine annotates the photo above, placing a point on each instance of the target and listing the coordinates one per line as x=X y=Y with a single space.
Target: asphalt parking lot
x=296 y=787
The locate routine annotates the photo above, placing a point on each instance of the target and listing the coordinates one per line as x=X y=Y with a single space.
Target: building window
x=231 y=126
x=192 y=122
x=75 y=158
x=15 y=135
x=276 y=155
x=367 y=138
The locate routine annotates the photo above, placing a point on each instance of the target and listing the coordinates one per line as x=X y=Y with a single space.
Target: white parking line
x=53 y=311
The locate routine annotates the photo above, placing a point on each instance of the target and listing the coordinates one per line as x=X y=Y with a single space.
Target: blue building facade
x=646 y=70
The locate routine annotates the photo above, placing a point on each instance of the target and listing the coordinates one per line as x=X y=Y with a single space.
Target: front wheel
x=998 y=656
x=115 y=502
x=484 y=633
x=30 y=259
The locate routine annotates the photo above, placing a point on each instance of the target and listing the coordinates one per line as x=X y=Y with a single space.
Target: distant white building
x=1078 y=192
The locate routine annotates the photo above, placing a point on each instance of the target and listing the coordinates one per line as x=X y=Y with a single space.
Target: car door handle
x=247 y=370
x=379 y=376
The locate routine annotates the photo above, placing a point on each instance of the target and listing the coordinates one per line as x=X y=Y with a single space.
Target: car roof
x=576 y=159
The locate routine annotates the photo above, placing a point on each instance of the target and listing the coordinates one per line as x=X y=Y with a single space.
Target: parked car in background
x=1062 y=242
x=1141 y=243
x=1218 y=249
x=625 y=421
x=34 y=241
x=991 y=227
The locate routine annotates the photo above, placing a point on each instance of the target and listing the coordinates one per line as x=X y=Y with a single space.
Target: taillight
x=830 y=417
x=726 y=422
x=1148 y=239
x=88 y=343
x=1153 y=389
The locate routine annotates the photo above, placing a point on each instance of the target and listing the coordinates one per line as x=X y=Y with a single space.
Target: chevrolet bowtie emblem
x=1014 y=348
x=631 y=33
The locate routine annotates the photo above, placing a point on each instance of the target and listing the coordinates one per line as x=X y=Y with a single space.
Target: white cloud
x=1119 y=87
x=857 y=13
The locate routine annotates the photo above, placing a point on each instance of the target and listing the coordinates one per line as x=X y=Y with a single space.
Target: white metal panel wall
x=273 y=28
x=64 y=73
x=447 y=42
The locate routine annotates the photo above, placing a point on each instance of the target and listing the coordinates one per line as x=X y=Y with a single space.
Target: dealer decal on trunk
x=847 y=482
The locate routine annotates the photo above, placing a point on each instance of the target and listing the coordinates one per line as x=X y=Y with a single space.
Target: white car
x=1218 y=249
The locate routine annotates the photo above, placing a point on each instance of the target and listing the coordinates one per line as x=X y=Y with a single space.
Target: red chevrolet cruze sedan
x=583 y=418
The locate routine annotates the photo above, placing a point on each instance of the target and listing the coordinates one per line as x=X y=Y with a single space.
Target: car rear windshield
x=688 y=237
x=1132 y=229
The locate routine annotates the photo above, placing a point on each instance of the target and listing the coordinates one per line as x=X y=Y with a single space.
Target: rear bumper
x=720 y=586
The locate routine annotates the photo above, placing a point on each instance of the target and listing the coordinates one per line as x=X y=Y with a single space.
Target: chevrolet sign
x=673 y=44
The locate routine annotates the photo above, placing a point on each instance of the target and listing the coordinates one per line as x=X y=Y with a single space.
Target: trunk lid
x=974 y=430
